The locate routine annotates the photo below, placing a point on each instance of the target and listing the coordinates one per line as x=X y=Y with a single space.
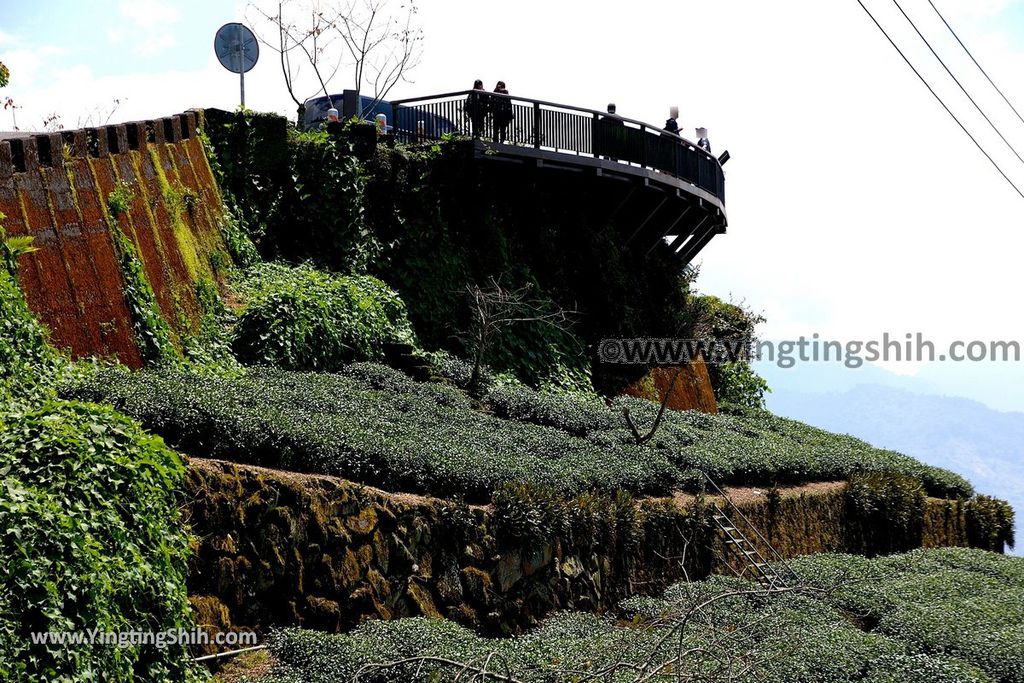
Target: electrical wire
x=939 y=99
x=1005 y=99
x=957 y=81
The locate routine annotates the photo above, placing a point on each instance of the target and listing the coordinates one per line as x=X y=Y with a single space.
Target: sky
x=856 y=206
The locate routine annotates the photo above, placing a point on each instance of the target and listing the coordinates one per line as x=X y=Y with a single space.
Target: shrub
x=304 y=319
x=738 y=384
x=456 y=371
x=885 y=513
x=325 y=206
x=92 y=538
x=989 y=523
x=965 y=604
x=811 y=637
x=371 y=424
x=375 y=425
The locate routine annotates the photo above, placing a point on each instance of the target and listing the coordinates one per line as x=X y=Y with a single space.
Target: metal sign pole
x=241 y=64
x=237 y=50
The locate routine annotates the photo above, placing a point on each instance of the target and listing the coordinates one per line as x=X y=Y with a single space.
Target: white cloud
x=151 y=25
x=156 y=44
x=150 y=14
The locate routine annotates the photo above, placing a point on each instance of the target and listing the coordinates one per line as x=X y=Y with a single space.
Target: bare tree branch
x=642 y=439
x=382 y=47
x=495 y=307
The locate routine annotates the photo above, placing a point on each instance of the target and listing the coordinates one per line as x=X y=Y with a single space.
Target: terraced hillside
x=375 y=425
x=333 y=442
x=953 y=616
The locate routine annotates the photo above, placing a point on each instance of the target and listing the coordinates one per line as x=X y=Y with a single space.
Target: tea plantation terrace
x=373 y=424
x=950 y=616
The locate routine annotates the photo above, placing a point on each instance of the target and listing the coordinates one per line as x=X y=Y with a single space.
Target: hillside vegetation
x=91 y=535
x=274 y=371
x=946 y=616
x=373 y=424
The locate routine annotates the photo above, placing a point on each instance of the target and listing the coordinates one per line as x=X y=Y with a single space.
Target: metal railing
x=783 y=569
x=556 y=128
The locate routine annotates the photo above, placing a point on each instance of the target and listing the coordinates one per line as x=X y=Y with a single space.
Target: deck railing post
x=564 y=128
x=536 y=125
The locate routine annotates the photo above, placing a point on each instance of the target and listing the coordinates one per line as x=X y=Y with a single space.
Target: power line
x=1005 y=99
x=957 y=81
x=939 y=99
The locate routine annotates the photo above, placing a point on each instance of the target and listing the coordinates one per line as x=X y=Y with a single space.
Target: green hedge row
x=967 y=604
x=945 y=616
x=90 y=538
x=375 y=425
x=300 y=318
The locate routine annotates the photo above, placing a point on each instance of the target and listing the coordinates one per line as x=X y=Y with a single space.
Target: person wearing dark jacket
x=610 y=134
x=503 y=113
x=672 y=124
x=702 y=140
x=477 y=108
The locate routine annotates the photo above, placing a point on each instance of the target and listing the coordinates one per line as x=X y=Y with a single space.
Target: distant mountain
x=998 y=385
x=821 y=377
x=984 y=445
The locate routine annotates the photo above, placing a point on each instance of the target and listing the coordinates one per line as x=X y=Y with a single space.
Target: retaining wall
x=276 y=548
x=55 y=188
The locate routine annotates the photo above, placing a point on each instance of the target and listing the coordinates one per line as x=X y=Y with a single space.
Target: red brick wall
x=54 y=187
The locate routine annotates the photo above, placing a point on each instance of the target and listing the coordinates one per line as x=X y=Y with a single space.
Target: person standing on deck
x=702 y=140
x=611 y=134
x=503 y=113
x=477 y=108
x=672 y=124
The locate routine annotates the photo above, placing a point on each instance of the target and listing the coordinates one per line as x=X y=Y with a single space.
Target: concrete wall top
x=21 y=152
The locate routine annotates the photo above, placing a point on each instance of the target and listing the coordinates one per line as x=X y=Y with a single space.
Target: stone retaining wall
x=278 y=548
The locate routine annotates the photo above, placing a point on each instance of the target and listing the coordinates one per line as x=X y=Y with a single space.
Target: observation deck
x=664 y=190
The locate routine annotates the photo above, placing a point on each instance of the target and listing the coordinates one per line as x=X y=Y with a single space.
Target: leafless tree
x=315 y=39
x=644 y=438
x=100 y=114
x=495 y=307
x=10 y=105
x=302 y=34
x=383 y=46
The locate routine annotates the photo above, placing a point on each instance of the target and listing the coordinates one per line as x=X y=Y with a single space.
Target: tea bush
x=885 y=513
x=966 y=604
x=92 y=539
x=375 y=425
x=830 y=636
x=300 y=318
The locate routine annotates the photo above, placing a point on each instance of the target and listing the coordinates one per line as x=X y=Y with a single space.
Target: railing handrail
x=570 y=107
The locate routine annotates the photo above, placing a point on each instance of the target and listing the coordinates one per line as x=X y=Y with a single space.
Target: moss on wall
x=281 y=548
x=73 y=283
